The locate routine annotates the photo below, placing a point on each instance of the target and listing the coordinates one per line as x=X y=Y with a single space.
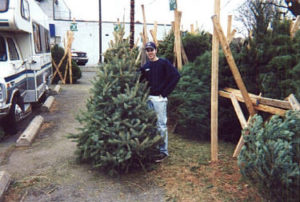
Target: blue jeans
x=160 y=108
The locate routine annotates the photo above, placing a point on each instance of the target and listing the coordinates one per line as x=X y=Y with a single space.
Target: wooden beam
x=238 y=147
x=184 y=56
x=178 y=39
x=262 y=100
x=192 y=29
x=295 y=26
x=229 y=39
x=214 y=88
x=229 y=23
x=144 y=25
x=153 y=33
x=259 y=107
x=294 y=102
x=57 y=71
x=243 y=123
x=233 y=67
x=238 y=110
x=70 y=41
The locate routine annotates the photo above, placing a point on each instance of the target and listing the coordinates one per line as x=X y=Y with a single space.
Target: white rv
x=25 y=58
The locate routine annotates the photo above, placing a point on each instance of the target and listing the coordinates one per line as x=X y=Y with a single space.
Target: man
x=162 y=78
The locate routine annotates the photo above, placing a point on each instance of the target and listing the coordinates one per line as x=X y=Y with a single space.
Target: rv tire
x=12 y=118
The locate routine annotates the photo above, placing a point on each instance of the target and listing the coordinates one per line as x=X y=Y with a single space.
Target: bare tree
x=256 y=16
x=293 y=6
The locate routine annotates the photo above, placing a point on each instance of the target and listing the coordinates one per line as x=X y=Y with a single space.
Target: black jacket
x=161 y=75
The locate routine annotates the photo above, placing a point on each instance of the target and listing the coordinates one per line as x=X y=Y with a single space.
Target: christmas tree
x=271 y=155
x=118 y=131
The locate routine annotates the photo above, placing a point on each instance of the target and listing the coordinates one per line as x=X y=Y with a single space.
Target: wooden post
x=238 y=110
x=229 y=23
x=178 y=39
x=229 y=39
x=70 y=41
x=295 y=26
x=230 y=34
x=236 y=74
x=192 y=29
x=242 y=120
x=144 y=37
x=214 y=88
x=153 y=33
x=144 y=25
x=57 y=71
x=294 y=102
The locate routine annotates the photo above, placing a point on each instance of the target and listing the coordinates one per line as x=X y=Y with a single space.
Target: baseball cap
x=150 y=45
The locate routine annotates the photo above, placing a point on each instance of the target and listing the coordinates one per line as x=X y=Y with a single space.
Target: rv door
x=14 y=56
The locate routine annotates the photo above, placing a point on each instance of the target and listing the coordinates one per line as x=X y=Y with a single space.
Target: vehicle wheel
x=10 y=122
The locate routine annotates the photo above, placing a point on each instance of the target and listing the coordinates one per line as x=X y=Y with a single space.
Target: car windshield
x=3 y=54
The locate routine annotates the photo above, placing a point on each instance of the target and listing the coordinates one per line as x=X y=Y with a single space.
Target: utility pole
x=100 y=33
x=132 y=23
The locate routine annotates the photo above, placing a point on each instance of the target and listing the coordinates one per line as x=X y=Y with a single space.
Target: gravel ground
x=48 y=171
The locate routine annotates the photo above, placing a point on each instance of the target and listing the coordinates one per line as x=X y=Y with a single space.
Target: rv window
x=47 y=42
x=13 y=53
x=25 y=9
x=3 y=5
x=37 y=38
x=3 y=55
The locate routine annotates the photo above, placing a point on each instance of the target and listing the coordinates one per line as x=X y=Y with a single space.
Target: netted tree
x=117 y=130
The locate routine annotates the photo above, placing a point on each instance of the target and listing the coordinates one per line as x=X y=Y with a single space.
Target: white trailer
x=25 y=58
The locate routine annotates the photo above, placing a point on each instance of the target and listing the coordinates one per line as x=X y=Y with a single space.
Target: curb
x=48 y=103
x=30 y=132
x=56 y=89
x=4 y=183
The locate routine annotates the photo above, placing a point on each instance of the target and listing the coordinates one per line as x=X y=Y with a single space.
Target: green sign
x=173 y=5
x=73 y=26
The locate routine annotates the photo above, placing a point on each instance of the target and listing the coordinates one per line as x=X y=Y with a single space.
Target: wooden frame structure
x=68 y=46
x=179 y=52
x=252 y=102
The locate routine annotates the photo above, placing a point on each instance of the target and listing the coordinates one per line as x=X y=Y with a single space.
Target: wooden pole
x=294 y=102
x=232 y=65
x=100 y=33
x=144 y=37
x=132 y=4
x=70 y=39
x=178 y=39
x=192 y=29
x=229 y=23
x=295 y=26
x=144 y=25
x=153 y=33
x=229 y=39
x=214 y=88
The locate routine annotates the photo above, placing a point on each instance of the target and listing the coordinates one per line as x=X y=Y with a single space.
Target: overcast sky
x=193 y=11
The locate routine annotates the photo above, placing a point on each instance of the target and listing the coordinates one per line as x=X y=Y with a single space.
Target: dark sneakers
x=161 y=157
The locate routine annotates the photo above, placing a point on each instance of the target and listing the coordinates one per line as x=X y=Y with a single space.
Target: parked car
x=80 y=57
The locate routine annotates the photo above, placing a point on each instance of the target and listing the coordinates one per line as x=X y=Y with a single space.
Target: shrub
x=166 y=47
x=57 y=54
x=271 y=155
x=189 y=105
x=196 y=44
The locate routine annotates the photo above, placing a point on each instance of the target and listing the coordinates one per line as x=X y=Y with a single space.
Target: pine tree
x=271 y=155
x=117 y=129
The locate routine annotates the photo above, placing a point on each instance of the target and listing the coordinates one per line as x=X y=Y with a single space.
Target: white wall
x=87 y=37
